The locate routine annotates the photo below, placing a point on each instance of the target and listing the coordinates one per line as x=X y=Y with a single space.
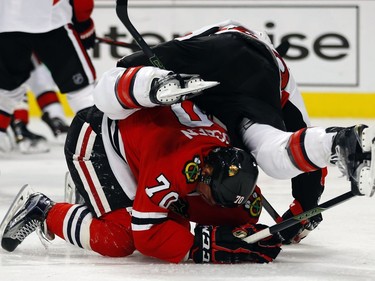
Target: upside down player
x=259 y=103
x=149 y=162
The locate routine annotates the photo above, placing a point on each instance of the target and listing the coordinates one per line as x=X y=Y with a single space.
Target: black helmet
x=235 y=173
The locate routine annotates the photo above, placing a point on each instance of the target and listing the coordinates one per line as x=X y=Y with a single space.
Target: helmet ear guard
x=235 y=173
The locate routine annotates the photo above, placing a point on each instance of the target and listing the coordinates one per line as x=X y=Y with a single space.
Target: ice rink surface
x=341 y=248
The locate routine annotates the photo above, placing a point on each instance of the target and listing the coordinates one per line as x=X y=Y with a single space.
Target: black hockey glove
x=86 y=32
x=224 y=244
x=297 y=232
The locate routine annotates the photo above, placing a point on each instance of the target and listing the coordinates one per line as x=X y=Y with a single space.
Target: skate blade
x=372 y=169
x=32 y=147
x=17 y=203
x=69 y=189
x=366 y=181
x=368 y=139
x=61 y=138
x=193 y=87
x=367 y=174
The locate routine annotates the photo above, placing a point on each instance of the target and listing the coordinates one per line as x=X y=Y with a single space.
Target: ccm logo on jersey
x=221 y=136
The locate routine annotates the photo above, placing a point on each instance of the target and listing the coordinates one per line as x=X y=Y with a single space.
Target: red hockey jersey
x=164 y=148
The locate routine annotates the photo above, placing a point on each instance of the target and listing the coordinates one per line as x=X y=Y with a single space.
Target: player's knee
x=117 y=244
x=111 y=235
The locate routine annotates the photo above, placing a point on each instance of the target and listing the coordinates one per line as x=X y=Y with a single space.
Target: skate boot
x=352 y=151
x=58 y=127
x=5 y=144
x=26 y=214
x=28 y=142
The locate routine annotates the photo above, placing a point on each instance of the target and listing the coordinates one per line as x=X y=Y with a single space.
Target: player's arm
x=82 y=9
x=82 y=21
x=158 y=236
x=154 y=233
x=120 y=91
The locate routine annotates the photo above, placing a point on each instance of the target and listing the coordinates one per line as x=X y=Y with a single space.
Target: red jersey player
x=133 y=170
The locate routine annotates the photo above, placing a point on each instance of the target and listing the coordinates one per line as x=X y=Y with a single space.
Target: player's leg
x=25 y=215
x=76 y=78
x=94 y=179
x=306 y=187
x=27 y=141
x=15 y=69
x=45 y=91
x=88 y=164
x=109 y=235
x=102 y=224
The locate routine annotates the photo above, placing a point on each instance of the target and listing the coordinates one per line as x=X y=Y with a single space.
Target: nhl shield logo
x=78 y=79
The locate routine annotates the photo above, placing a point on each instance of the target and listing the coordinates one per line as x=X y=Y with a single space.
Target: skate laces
x=340 y=162
x=27 y=229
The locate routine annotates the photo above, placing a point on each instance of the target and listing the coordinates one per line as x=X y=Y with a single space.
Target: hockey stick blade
x=296 y=219
x=122 y=14
x=193 y=88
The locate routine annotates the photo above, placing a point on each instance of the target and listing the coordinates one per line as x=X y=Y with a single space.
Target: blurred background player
x=25 y=140
x=58 y=32
x=45 y=90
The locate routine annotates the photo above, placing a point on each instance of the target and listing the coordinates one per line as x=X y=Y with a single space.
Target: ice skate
x=353 y=149
x=5 y=144
x=27 y=213
x=58 y=126
x=71 y=194
x=28 y=142
x=179 y=87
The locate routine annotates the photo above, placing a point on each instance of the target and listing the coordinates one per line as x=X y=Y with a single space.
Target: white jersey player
x=58 y=32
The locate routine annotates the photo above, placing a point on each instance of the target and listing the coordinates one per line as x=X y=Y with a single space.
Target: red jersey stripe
x=123 y=89
x=295 y=150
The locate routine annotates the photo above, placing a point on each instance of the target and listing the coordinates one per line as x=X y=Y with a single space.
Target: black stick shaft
x=296 y=219
x=122 y=13
x=117 y=43
x=270 y=209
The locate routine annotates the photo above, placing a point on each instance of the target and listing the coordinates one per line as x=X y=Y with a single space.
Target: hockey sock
x=109 y=235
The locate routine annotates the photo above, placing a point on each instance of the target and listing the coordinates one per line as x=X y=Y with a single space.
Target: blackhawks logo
x=191 y=170
x=254 y=205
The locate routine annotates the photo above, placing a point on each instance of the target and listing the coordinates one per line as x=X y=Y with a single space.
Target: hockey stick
x=117 y=43
x=271 y=210
x=122 y=13
x=298 y=218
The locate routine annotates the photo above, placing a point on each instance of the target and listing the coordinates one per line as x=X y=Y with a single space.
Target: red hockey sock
x=109 y=235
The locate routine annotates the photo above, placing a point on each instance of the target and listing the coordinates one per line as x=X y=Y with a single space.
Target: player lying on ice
x=107 y=185
x=146 y=162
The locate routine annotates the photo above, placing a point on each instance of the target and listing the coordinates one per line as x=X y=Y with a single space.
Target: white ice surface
x=342 y=248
